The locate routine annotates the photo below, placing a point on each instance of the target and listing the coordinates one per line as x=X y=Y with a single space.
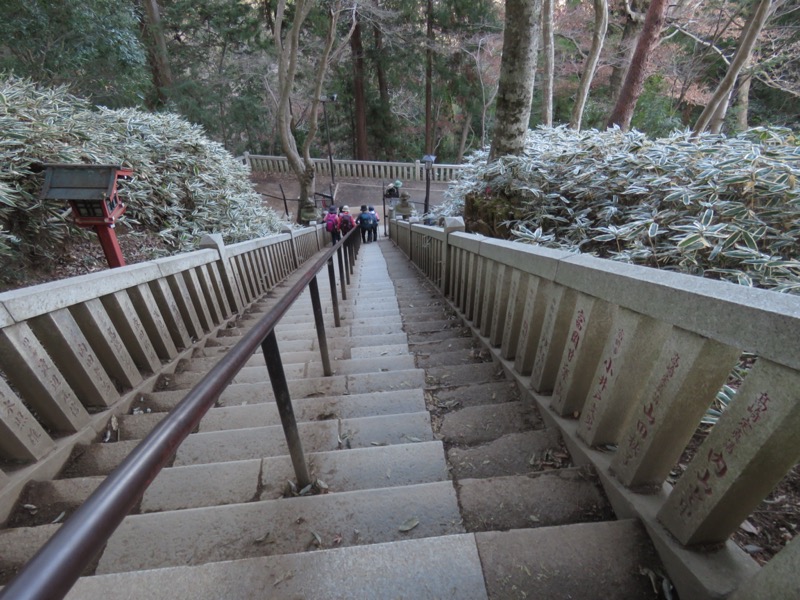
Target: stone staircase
x=435 y=477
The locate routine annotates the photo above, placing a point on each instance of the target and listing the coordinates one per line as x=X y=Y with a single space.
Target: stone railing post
x=295 y=255
x=451 y=225
x=214 y=242
x=747 y=453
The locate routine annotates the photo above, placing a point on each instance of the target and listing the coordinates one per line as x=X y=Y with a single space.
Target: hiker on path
x=332 y=224
x=346 y=220
x=374 y=231
x=366 y=222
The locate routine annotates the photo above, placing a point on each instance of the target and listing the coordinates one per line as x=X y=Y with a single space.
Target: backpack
x=367 y=220
x=331 y=222
x=346 y=223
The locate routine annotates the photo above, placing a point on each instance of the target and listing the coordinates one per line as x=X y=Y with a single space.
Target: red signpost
x=91 y=191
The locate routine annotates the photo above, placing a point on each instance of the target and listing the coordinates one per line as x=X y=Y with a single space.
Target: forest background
x=412 y=77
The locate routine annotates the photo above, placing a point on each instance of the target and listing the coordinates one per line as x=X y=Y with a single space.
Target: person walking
x=375 y=226
x=366 y=222
x=332 y=224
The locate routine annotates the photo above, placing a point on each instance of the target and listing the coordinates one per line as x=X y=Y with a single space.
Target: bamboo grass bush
x=720 y=207
x=184 y=184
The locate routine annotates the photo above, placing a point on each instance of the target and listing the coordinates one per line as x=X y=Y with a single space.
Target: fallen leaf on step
x=317 y=540
x=749 y=528
x=337 y=539
x=264 y=539
x=31 y=508
x=409 y=524
x=282 y=578
x=59 y=517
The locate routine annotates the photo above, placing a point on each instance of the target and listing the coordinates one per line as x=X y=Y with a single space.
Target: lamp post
x=91 y=191
x=428 y=160
x=325 y=100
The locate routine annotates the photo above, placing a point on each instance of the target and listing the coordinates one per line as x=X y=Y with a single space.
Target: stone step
x=480 y=424
x=335 y=385
x=431 y=327
x=237 y=531
x=415 y=337
x=585 y=561
x=475 y=394
x=337 y=343
x=543 y=499
x=512 y=454
x=266 y=479
x=385 y=350
x=316 y=436
x=459 y=375
x=51 y=498
x=266 y=412
x=424 y=315
x=257 y=442
x=258 y=374
x=446 y=345
x=442 y=567
x=430 y=359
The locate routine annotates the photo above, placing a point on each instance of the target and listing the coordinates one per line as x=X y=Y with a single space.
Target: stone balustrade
x=626 y=360
x=360 y=169
x=77 y=351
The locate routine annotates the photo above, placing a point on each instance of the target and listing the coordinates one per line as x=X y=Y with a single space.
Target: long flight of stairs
x=435 y=477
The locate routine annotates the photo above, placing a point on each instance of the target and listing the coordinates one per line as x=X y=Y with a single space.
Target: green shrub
x=184 y=184
x=719 y=207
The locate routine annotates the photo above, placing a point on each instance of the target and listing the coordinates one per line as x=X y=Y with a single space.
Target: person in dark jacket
x=373 y=233
x=366 y=222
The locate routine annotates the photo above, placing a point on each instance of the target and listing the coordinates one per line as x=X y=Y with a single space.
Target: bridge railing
x=626 y=360
x=361 y=169
x=76 y=351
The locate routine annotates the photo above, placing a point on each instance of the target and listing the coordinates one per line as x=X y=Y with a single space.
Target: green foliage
x=184 y=185
x=727 y=208
x=655 y=114
x=92 y=45
x=220 y=59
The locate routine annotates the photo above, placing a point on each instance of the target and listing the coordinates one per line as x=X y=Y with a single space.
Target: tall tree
x=634 y=19
x=92 y=46
x=359 y=99
x=517 y=71
x=287 y=53
x=634 y=81
x=157 y=50
x=429 y=46
x=599 y=35
x=548 y=53
x=714 y=112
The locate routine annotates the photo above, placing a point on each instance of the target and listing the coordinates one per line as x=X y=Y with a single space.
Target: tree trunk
x=383 y=90
x=157 y=50
x=429 y=82
x=517 y=71
x=634 y=80
x=743 y=102
x=359 y=101
x=634 y=12
x=287 y=55
x=464 y=135
x=717 y=106
x=548 y=52
x=599 y=36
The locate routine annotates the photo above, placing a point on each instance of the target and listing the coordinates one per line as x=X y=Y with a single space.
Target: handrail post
x=334 y=295
x=342 y=276
x=280 y=387
x=346 y=256
x=313 y=289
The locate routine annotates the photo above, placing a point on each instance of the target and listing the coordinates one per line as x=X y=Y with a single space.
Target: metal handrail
x=56 y=567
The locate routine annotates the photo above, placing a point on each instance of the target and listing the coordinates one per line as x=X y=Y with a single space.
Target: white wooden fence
x=361 y=169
